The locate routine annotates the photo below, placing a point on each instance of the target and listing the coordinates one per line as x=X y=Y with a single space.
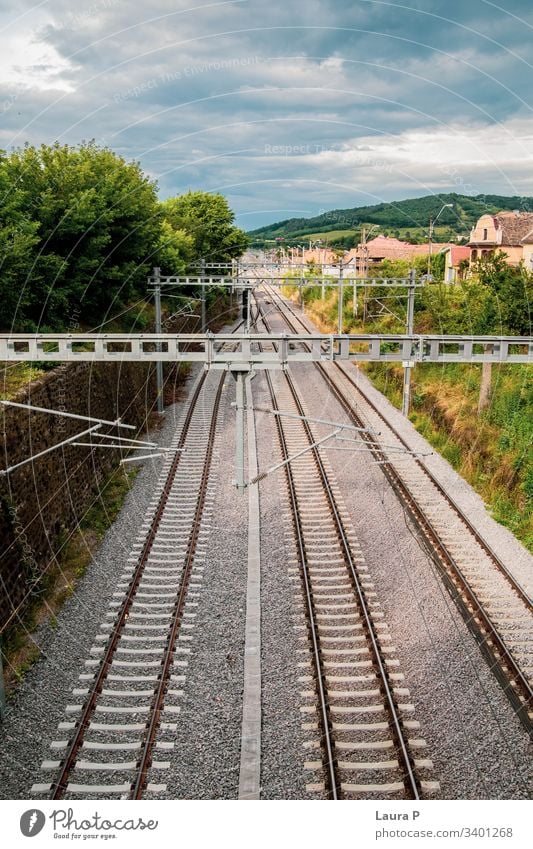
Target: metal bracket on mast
x=239 y=377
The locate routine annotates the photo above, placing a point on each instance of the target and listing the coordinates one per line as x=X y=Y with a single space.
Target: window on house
x=485 y=234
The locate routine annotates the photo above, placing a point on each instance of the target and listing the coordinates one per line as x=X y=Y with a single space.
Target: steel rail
x=503 y=664
x=148 y=743
x=411 y=783
x=325 y=720
x=327 y=728
x=519 y=589
x=516 y=585
x=59 y=786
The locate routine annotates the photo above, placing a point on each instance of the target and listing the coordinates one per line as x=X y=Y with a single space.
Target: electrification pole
x=341 y=293
x=233 y=275
x=204 y=322
x=158 y=329
x=408 y=364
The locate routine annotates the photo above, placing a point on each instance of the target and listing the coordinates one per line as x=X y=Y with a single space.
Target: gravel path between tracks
x=39 y=705
x=207 y=740
x=282 y=756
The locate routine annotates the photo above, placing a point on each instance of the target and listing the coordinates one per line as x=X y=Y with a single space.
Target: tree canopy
x=209 y=220
x=80 y=229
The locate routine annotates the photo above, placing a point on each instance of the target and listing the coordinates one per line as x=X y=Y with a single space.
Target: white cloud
x=31 y=62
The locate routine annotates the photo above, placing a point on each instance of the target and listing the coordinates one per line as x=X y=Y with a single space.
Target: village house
x=509 y=232
x=456 y=262
x=386 y=247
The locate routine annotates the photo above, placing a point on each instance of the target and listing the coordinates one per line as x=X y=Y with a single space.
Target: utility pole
x=430 y=247
x=341 y=293
x=408 y=364
x=248 y=313
x=364 y=270
x=204 y=322
x=158 y=329
x=432 y=222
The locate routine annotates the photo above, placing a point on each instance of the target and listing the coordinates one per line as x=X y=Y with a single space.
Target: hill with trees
x=406 y=219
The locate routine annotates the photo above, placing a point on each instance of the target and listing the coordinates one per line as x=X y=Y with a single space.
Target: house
x=456 y=262
x=510 y=232
x=318 y=256
x=527 y=247
x=386 y=247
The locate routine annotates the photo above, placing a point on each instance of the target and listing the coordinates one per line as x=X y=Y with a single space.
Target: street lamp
x=432 y=222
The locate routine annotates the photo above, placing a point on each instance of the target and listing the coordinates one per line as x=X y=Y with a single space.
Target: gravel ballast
x=477 y=744
x=39 y=705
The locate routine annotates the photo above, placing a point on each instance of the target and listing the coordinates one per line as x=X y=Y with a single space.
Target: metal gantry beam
x=240 y=352
x=245 y=280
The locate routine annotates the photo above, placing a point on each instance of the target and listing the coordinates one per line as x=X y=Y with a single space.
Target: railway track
x=495 y=606
x=367 y=743
x=118 y=729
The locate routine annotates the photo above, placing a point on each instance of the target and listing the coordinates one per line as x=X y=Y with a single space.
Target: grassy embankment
x=492 y=450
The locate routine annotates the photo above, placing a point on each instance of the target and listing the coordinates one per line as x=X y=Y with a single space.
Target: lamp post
x=432 y=222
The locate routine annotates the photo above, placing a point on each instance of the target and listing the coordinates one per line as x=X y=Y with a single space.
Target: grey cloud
x=161 y=81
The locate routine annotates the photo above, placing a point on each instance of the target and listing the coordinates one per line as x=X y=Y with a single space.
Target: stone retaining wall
x=43 y=499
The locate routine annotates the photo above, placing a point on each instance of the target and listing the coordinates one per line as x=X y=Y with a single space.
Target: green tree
x=94 y=227
x=18 y=239
x=209 y=220
x=513 y=291
x=176 y=248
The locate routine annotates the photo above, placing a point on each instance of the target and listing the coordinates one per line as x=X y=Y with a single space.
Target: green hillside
x=404 y=219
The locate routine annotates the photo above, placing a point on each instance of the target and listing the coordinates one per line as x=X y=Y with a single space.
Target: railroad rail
x=496 y=608
x=131 y=701
x=365 y=721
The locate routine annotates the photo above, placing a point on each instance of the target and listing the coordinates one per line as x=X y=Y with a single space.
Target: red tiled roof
x=458 y=253
x=385 y=247
x=514 y=227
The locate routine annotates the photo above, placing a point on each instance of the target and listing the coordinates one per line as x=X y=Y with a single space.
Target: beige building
x=510 y=232
x=456 y=257
x=527 y=246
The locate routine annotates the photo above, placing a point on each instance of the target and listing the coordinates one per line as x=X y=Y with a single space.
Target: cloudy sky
x=289 y=108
